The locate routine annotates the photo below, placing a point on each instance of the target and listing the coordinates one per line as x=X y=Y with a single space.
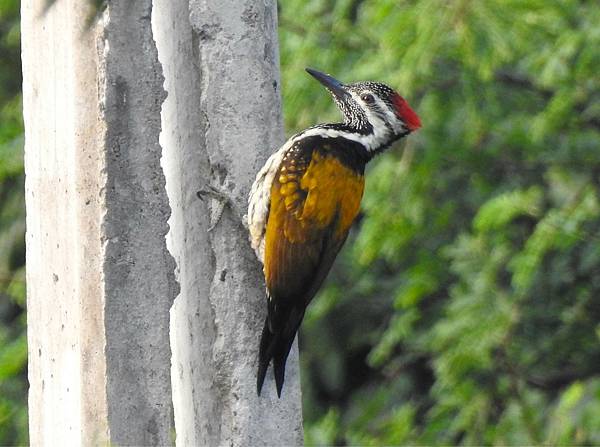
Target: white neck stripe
x=370 y=142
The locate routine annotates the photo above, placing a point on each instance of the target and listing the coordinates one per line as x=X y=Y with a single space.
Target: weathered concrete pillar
x=220 y=121
x=100 y=280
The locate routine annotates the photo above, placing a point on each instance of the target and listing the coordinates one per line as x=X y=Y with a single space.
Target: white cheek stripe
x=392 y=119
x=381 y=132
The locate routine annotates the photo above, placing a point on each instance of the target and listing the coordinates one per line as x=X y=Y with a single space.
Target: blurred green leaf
x=462 y=310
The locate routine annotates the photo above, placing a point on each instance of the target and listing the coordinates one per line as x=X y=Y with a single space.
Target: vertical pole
x=100 y=279
x=221 y=120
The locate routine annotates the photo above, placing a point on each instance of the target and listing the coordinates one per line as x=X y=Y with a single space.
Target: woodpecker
x=305 y=198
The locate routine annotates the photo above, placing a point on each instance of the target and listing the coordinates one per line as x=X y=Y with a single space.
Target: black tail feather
x=277 y=347
x=279 y=359
x=264 y=356
x=279 y=372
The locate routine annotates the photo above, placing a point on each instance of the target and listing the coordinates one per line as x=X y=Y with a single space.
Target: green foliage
x=463 y=308
x=13 y=343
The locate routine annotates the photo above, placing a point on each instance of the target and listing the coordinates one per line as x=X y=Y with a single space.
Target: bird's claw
x=213 y=192
x=220 y=197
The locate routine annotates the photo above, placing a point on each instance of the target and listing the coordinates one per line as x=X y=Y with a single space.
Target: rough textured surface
x=139 y=271
x=63 y=162
x=186 y=168
x=100 y=279
x=221 y=120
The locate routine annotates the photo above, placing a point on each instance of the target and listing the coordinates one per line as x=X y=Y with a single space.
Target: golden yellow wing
x=314 y=199
x=313 y=205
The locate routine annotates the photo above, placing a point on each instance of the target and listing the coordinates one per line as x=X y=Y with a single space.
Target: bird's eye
x=368 y=98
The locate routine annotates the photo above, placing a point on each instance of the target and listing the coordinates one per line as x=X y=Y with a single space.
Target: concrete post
x=220 y=121
x=100 y=280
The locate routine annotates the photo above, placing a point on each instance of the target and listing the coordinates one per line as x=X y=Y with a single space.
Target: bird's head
x=371 y=109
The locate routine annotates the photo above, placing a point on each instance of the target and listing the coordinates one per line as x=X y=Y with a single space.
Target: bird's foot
x=220 y=197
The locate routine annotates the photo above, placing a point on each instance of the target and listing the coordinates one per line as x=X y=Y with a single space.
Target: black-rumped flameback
x=305 y=199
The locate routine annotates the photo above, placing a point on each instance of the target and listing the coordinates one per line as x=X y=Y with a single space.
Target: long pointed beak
x=332 y=84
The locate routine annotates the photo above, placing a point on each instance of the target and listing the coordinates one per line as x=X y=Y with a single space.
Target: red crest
x=405 y=113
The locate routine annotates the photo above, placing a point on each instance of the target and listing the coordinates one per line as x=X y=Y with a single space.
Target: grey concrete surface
x=221 y=120
x=138 y=269
x=186 y=166
x=64 y=162
x=100 y=279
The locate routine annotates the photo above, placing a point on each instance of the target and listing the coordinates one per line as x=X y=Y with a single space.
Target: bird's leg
x=222 y=198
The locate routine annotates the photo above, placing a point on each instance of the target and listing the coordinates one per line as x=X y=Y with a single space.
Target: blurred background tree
x=464 y=308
